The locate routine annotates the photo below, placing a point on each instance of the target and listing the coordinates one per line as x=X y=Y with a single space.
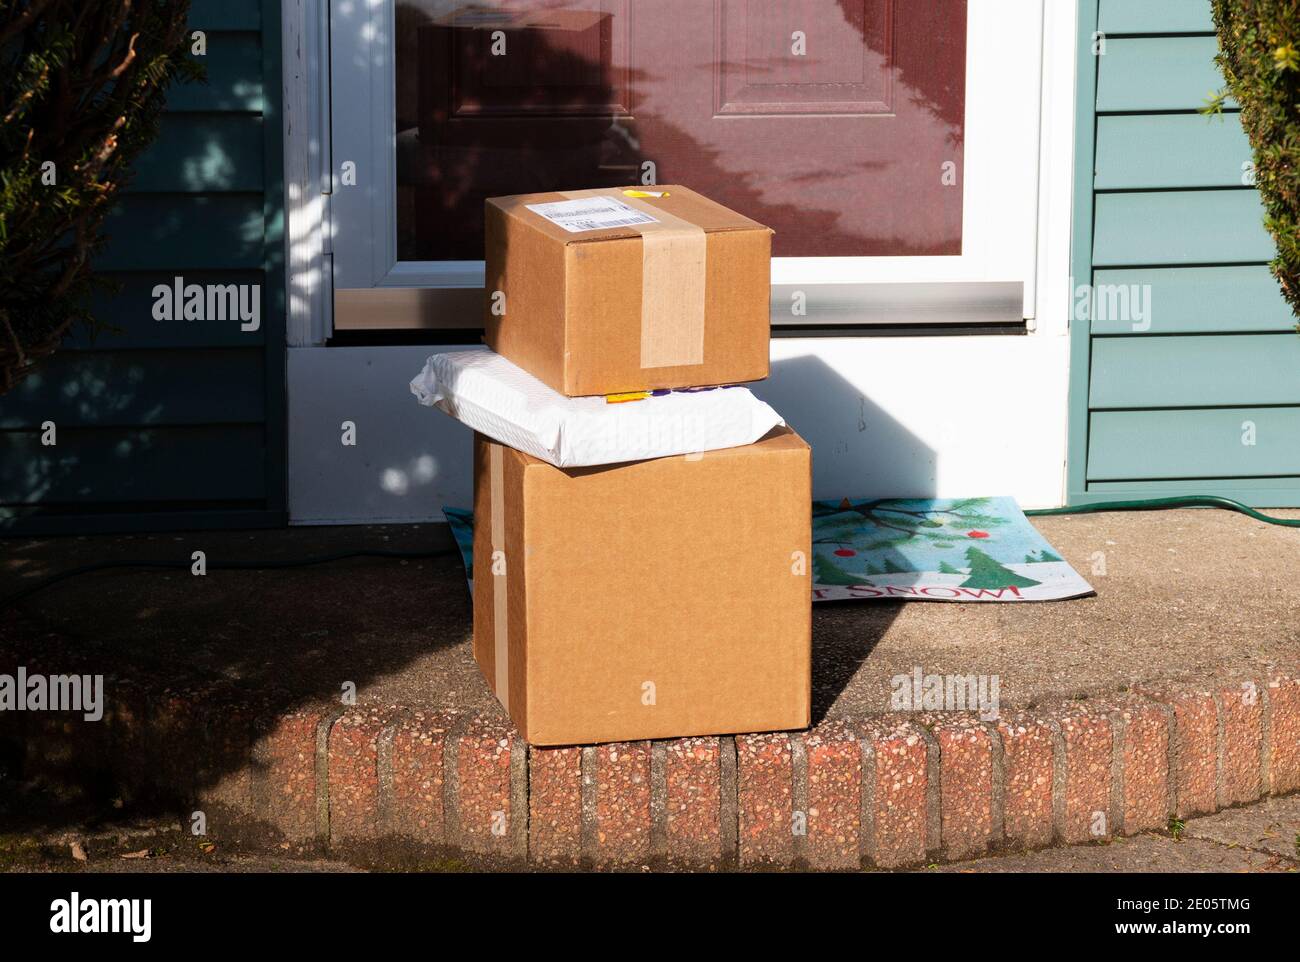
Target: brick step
x=888 y=791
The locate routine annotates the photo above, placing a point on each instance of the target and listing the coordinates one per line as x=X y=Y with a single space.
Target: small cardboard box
x=603 y=291
x=652 y=599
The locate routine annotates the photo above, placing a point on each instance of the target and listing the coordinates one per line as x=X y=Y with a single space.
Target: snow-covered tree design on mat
x=827 y=572
x=1044 y=556
x=987 y=573
x=899 y=525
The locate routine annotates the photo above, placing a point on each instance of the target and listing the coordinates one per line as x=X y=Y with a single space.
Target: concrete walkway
x=1181 y=595
x=1264 y=837
x=1133 y=703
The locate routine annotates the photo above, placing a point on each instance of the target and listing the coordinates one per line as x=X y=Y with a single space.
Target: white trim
x=310 y=293
x=1056 y=169
x=363 y=216
x=1055 y=222
x=1004 y=59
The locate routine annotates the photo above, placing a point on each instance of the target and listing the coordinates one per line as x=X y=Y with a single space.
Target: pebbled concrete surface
x=1182 y=595
x=1185 y=594
x=1142 y=854
x=1272 y=827
x=1258 y=838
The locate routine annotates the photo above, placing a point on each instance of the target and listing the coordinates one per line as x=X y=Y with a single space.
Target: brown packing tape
x=673 y=259
x=501 y=636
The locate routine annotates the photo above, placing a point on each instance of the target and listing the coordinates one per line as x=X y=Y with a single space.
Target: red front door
x=839 y=123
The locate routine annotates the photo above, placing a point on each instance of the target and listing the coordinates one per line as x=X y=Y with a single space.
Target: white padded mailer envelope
x=484 y=391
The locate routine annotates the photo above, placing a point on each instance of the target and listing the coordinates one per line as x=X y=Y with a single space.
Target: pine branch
x=82 y=84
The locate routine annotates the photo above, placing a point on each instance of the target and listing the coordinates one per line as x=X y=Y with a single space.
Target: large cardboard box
x=602 y=291
x=652 y=599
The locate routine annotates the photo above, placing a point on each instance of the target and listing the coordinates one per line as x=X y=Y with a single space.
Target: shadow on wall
x=407 y=462
x=414 y=460
x=851 y=436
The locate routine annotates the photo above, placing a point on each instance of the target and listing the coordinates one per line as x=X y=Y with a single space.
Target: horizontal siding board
x=139 y=388
x=163 y=424
x=34 y=521
x=127 y=465
x=1197 y=443
x=226 y=14
x=1180 y=227
x=1170 y=150
x=202 y=152
x=234 y=77
x=1157 y=73
x=1155 y=16
x=1166 y=372
x=1191 y=300
x=126 y=310
x=209 y=231
x=1200 y=485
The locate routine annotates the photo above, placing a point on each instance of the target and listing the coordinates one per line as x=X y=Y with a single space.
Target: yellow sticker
x=624 y=398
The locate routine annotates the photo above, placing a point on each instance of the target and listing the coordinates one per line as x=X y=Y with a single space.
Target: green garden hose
x=1151 y=504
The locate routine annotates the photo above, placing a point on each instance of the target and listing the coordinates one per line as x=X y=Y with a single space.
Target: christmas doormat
x=461 y=523
x=918 y=549
x=935 y=549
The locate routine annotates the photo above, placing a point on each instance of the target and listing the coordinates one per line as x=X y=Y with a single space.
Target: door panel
x=756 y=73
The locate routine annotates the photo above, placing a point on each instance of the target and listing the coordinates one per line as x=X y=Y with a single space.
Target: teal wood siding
x=174 y=424
x=1186 y=351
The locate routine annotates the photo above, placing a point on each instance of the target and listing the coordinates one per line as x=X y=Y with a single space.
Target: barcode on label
x=593 y=225
x=595 y=213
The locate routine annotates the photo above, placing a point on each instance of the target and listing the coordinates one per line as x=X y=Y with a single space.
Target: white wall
x=409 y=460
x=892 y=416
x=945 y=416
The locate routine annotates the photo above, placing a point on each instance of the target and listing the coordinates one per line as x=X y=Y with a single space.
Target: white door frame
x=329 y=484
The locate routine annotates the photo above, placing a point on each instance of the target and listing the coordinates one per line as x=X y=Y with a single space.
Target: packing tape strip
x=500 y=609
x=673 y=260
